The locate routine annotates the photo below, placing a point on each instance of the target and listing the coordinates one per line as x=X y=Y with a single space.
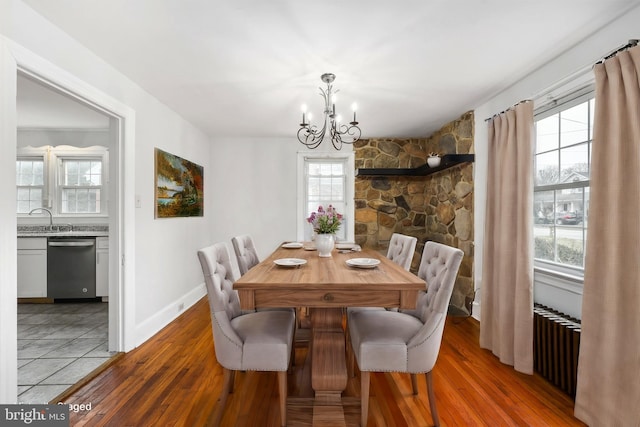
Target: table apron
x=252 y=298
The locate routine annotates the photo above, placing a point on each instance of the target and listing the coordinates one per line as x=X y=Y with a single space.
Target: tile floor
x=58 y=345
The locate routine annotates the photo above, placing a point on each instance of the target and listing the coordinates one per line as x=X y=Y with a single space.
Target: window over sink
x=67 y=180
x=30 y=183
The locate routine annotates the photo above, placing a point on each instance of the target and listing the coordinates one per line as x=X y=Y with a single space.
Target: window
x=30 y=183
x=69 y=181
x=326 y=180
x=561 y=187
x=80 y=186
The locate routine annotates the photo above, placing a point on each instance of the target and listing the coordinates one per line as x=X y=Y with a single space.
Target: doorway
x=62 y=335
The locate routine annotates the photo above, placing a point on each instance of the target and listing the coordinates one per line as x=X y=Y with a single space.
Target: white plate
x=363 y=262
x=290 y=262
x=292 y=245
x=309 y=248
x=345 y=245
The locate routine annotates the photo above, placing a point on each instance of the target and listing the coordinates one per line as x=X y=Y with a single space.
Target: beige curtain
x=608 y=392
x=506 y=327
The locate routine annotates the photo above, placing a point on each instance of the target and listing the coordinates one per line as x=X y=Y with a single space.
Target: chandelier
x=312 y=136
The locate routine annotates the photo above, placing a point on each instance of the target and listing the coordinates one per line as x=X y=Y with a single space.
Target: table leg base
x=306 y=411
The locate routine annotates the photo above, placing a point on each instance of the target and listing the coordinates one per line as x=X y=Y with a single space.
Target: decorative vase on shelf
x=324 y=244
x=433 y=160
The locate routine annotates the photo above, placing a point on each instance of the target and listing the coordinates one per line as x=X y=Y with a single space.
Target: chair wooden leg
x=232 y=382
x=432 y=400
x=227 y=384
x=414 y=384
x=365 y=378
x=282 y=390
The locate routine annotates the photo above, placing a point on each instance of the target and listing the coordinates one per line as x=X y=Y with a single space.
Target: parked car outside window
x=568 y=218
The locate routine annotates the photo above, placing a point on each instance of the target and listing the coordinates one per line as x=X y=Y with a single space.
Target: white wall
x=574 y=62
x=167 y=272
x=253 y=182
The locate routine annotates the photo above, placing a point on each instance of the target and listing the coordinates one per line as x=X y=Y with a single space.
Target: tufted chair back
x=246 y=253
x=439 y=268
x=224 y=302
x=401 y=249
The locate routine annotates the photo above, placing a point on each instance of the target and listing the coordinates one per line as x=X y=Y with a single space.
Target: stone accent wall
x=436 y=207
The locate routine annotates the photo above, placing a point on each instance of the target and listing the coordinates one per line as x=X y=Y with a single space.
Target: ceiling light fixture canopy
x=312 y=136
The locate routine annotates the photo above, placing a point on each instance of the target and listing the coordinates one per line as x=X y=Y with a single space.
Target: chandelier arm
x=336 y=139
x=307 y=138
x=311 y=136
x=352 y=131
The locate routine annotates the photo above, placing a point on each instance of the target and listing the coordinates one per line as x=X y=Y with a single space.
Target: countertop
x=63 y=230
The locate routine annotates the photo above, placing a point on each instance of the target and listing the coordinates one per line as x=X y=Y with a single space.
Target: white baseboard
x=475 y=311
x=155 y=323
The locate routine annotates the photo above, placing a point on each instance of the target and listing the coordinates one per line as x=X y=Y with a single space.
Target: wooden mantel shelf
x=448 y=160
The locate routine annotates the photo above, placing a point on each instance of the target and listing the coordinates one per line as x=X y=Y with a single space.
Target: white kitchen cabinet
x=32 y=267
x=102 y=266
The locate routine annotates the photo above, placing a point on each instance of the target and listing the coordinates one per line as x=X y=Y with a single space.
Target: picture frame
x=179 y=186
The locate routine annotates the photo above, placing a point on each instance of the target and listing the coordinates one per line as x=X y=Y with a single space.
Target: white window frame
x=559 y=285
x=567 y=272
x=53 y=156
x=303 y=231
x=43 y=199
x=61 y=186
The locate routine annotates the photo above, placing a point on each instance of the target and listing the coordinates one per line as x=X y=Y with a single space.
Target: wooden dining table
x=327 y=286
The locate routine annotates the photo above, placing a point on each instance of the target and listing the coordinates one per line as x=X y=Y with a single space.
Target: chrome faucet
x=47 y=211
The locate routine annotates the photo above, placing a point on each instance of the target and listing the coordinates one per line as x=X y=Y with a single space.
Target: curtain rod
x=630 y=44
x=504 y=111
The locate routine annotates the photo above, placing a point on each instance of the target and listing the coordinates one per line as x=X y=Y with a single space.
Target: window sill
x=559 y=290
x=561 y=280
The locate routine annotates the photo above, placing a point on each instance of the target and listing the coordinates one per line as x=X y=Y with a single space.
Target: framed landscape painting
x=179 y=186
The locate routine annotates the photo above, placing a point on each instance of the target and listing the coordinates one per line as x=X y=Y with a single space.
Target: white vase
x=433 y=161
x=324 y=244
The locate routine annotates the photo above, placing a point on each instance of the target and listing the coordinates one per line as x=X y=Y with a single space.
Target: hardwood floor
x=174 y=380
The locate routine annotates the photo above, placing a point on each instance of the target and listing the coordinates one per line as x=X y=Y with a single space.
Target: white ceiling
x=243 y=68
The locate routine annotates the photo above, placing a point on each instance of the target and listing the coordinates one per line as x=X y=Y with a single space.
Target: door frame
x=13 y=59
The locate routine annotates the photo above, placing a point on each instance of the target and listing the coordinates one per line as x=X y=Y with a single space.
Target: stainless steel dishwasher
x=71 y=267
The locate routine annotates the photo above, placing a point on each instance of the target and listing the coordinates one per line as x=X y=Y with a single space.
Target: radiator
x=556 y=343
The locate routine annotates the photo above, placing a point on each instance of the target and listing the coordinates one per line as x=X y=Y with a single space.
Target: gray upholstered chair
x=246 y=253
x=247 y=258
x=401 y=341
x=401 y=249
x=244 y=341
